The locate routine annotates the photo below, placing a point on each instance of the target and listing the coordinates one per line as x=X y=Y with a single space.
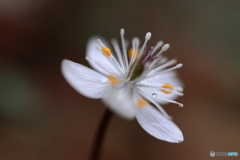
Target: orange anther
x=107 y=51
x=141 y=102
x=133 y=53
x=167 y=86
x=113 y=80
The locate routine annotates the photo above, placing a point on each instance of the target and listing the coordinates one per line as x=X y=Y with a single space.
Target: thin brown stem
x=95 y=152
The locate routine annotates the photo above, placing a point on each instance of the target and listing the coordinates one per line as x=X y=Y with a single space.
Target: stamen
x=159 y=107
x=132 y=53
x=167 y=86
x=118 y=52
x=174 y=90
x=116 y=65
x=164 y=48
x=169 y=63
x=167 y=70
x=153 y=50
x=122 y=32
x=148 y=55
x=157 y=62
x=136 y=40
x=157 y=46
x=171 y=101
x=147 y=37
x=135 y=45
x=173 y=68
x=113 y=80
x=107 y=51
x=141 y=103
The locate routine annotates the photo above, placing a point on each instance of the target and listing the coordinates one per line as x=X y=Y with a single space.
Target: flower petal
x=94 y=52
x=157 y=125
x=170 y=77
x=121 y=102
x=85 y=80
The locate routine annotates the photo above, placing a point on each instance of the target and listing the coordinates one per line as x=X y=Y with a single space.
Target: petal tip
x=64 y=62
x=180 y=139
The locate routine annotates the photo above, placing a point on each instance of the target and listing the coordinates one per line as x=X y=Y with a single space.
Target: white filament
x=122 y=32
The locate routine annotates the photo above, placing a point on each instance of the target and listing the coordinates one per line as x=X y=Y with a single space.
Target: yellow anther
x=107 y=51
x=141 y=102
x=113 y=80
x=133 y=53
x=167 y=86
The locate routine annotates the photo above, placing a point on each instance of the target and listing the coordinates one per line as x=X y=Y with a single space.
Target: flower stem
x=100 y=135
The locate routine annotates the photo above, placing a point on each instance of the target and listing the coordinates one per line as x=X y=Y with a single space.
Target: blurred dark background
x=43 y=118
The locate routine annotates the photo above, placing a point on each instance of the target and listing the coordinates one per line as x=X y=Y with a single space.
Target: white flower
x=132 y=83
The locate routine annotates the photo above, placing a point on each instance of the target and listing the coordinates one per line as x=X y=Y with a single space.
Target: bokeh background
x=43 y=118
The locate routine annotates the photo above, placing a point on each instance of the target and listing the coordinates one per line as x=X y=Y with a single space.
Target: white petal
x=121 y=102
x=94 y=53
x=158 y=126
x=85 y=80
x=170 y=77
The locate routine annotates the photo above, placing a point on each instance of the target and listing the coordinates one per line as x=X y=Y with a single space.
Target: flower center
x=167 y=86
x=113 y=80
x=141 y=103
x=137 y=71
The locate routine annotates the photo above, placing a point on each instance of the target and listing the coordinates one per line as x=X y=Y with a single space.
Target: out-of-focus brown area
x=43 y=118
